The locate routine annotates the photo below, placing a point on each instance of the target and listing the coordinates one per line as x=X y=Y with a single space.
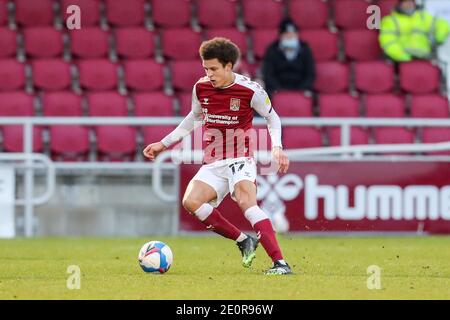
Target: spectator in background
x=411 y=32
x=288 y=62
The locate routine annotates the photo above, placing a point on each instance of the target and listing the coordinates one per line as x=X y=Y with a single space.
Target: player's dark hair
x=221 y=49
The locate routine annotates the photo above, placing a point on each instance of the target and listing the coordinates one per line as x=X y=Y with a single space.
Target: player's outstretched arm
x=153 y=149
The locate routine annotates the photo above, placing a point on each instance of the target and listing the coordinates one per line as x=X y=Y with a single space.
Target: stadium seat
x=419 y=77
x=3 y=12
x=32 y=13
x=180 y=44
x=156 y=133
x=262 y=13
x=357 y=136
x=13 y=139
x=107 y=104
x=323 y=43
x=216 y=13
x=429 y=106
x=125 y=14
x=61 y=104
x=69 y=143
x=8 y=43
x=165 y=17
x=153 y=104
x=144 y=75
x=185 y=74
x=185 y=100
x=89 y=42
x=332 y=77
x=351 y=14
x=374 y=77
x=12 y=75
x=116 y=143
x=433 y=135
x=309 y=14
x=134 y=43
x=385 y=106
x=386 y=6
x=90 y=11
x=239 y=38
x=51 y=74
x=97 y=74
x=43 y=42
x=338 y=105
x=362 y=45
x=16 y=104
x=301 y=137
x=292 y=104
x=393 y=135
x=262 y=38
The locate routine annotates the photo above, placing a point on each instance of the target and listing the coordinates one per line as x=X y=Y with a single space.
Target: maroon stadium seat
x=374 y=76
x=357 y=136
x=97 y=74
x=432 y=135
x=292 y=104
x=393 y=135
x=185 y=74
x=153 y=104
x=262 y=38
x=362 y=45
x=116 y=143
x=419 y=77
x=3 y=12
x=164 y=16
x=323 y=43
x=156 y=133
x=34 y=13
x=144 y=75
x=135 y=43
x=185 y=100
x=351 y=14
x=107 y=104
x=125 y=13
x=332 y=77
x=16 y=104
x=309 y=14
x=51 y=74
x=89 y=42
x=180 y=44
x=8 y=43
x=386 y=6
x=12 y=75
x=301 y=137
x=429 y=106
x=239 y=38
x=13 y=139
x=90 y=11
x=69 y=143
x=61 y=103
x=262 y=13
x=43 y=42
x=385 y=106
x=216 y=13
x=338 y=105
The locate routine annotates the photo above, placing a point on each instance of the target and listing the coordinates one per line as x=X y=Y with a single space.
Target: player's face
x=219 y=75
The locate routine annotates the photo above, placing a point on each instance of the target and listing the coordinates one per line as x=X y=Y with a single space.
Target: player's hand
x=281 y=158
x=153 y=149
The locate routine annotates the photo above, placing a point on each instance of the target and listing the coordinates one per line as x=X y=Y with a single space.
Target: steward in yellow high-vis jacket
x=410 y=32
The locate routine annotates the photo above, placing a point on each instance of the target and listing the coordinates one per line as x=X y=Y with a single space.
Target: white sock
x=204 y=211
x=255 y=215
x=282 y=262
x=241 y=237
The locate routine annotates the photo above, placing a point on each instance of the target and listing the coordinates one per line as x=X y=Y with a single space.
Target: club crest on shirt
x=235 y=104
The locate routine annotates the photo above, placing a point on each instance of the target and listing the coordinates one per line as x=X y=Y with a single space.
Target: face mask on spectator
x=290 y=44
x=408 y=11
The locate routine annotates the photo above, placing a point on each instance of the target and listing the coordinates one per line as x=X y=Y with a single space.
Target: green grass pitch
x=210 y=268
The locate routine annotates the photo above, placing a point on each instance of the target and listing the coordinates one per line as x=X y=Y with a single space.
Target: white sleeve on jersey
x=192 y=121
x=261 y=103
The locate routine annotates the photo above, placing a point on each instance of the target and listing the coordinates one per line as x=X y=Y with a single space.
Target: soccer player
x=224 y=102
